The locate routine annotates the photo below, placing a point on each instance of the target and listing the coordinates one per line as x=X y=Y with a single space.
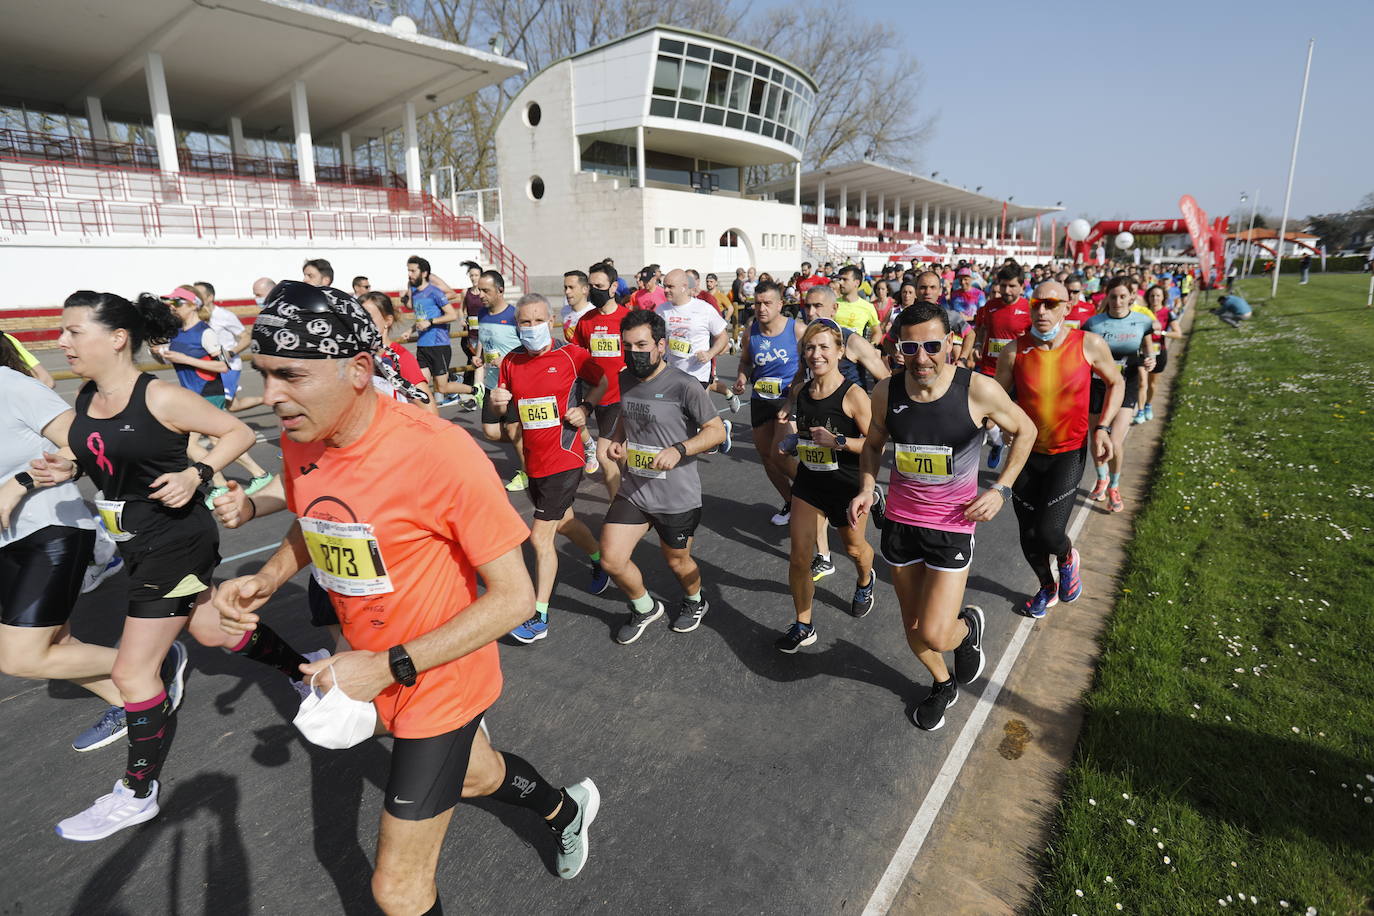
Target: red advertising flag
x=1196 y=221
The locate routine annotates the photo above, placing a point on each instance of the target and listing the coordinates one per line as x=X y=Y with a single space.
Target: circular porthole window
x=536 y=188
x=532 y=114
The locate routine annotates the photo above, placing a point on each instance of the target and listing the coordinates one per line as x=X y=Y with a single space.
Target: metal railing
x=25 y=145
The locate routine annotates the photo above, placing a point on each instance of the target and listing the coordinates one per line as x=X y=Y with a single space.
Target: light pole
x=1249 y=241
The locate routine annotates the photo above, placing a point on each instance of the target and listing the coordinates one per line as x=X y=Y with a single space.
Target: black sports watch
x=681 y=449
x=204 y=470
x=25 y=480
x=402 y=668
x=840 y=441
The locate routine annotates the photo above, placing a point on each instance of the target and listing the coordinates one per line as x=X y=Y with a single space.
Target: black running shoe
x=862 y=602
x=820 y=568
x=633 y=628
x=968 y=655
x=797 y=635
x=689 y=617
x=930 y=714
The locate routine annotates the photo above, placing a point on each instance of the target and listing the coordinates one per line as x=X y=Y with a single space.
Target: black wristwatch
x=840 y=441
x=204 y=470
x=25 y=480
x=1104 y=426
x=402 y=668
x=682 y=449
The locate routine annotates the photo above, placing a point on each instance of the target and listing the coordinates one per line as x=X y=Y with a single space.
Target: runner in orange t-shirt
x=401 y=569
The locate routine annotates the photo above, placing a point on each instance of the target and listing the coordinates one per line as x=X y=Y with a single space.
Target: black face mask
x=598 y=297
x=641 y=363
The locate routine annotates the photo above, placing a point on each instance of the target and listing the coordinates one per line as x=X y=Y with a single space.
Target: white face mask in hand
x=335 y=720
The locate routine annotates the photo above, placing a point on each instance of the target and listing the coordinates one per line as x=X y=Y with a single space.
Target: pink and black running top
x=935 y=458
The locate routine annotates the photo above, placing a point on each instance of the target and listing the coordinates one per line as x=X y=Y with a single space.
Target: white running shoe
x=110 y=814
x=303 y=685
x=97 y=574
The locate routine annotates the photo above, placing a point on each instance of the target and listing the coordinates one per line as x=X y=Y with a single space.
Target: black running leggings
x=1044 y=500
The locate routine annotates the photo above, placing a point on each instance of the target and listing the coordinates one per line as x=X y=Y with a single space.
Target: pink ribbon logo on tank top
x=97 y=447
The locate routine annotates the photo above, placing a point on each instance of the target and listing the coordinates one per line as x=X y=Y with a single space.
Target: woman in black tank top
x=129 y=436
x=832 y=420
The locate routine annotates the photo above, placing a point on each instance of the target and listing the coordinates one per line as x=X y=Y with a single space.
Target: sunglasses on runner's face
x=912 y=347
x=1047 y=303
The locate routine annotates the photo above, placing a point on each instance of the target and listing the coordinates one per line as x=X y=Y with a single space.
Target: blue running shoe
x=108 y=729
x=994 y=457
x=600 y=580
x=1139 y=417
x=1070 y=582
x=1046 y=598
x=1149 y=413
x=537 y=627
x=729 y=441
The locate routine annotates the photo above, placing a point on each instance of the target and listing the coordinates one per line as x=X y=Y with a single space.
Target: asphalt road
x=734 y=779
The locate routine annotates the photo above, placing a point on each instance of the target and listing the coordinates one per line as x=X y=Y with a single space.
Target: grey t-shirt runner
x=29 y=407
x=655 y=413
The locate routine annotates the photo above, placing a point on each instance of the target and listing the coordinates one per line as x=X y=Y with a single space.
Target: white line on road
x=249 y=553
x=900 y=866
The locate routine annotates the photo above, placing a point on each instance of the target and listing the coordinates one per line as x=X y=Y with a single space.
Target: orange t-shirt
x=400 y=561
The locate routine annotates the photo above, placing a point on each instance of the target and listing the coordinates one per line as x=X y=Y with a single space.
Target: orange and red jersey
x=599 y=334
x=399 y=566
x=1053 y=387
x=542 y=389
x=1003 y=323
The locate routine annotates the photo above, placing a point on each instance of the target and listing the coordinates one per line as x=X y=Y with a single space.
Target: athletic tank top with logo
x=773 y=360
x=935 y=459
x=837 y=465
x=1052 y=387
x=123 y=455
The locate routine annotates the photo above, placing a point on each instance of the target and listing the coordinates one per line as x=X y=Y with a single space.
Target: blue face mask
x=1046 y=336
x=535 y=338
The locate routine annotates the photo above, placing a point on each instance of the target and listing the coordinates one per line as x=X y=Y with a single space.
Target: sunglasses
x=1048 y=303
x=912 y=347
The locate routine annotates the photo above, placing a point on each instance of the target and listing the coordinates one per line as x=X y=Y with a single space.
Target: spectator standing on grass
x=1305 y=265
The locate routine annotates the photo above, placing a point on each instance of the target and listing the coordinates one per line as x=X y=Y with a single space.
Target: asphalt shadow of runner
x=225 y=874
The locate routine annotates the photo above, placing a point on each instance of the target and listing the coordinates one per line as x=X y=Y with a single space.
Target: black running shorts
x=675 y=529
x=427 y=774
x=553 y=495
x=765 y=410
x=166 y=576
x=829 y=491
x=491 y=415
x=906 y=545
x=435 y=359
x=40 y=575
x=1161 y=360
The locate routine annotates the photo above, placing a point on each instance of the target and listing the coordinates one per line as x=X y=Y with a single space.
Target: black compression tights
x=1044 y=501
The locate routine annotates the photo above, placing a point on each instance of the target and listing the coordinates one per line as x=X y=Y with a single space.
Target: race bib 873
x=346 y=558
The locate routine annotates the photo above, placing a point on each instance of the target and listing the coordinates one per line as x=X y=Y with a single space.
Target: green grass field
x=1227 y=760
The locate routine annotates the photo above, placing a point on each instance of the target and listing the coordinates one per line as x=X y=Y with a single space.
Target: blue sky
x=1118 y=109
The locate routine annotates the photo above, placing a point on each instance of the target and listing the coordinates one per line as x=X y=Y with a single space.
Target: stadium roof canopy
x=854 y=178
x=234 y=58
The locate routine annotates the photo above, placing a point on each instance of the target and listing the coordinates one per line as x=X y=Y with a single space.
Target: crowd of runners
x=1048 y=368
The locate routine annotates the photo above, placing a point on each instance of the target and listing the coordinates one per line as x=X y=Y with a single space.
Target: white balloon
x=1124 y=240
x=1079 y=229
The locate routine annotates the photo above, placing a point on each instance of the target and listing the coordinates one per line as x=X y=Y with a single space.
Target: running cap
x=300 y=321
x=963 y=272
x=184 y=295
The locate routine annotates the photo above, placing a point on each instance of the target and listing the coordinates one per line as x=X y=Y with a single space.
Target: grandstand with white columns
x=153 y=143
